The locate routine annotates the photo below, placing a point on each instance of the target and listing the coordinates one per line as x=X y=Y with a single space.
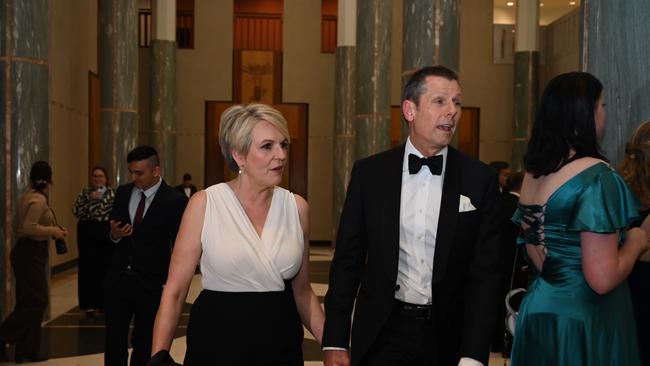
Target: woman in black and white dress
x=251 y=239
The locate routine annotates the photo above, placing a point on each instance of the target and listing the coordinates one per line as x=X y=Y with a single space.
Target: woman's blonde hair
x=635 y=168
x=236 y=127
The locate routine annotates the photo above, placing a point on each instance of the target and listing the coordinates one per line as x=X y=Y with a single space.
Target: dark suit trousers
x=95 y=253
x=127 y=298
x=23 y=325
x=403 y=341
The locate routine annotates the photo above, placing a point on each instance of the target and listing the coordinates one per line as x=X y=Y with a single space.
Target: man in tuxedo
x=503 y=169
x=417 y=246
x=186 y=188
x=144 y=222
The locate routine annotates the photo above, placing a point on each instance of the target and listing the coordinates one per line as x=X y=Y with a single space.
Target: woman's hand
x=96 y=194
x=60 y=232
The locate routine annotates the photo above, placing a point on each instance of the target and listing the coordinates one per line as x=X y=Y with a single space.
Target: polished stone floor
x=72 y=339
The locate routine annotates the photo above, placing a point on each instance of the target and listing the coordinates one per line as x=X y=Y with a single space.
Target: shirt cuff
x=334 y=349
x=113 y=240
x=466 y=361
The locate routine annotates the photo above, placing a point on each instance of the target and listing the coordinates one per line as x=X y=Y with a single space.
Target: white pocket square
x=465 y=204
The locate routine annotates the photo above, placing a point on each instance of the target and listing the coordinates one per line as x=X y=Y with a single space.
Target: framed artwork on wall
x=257 y=76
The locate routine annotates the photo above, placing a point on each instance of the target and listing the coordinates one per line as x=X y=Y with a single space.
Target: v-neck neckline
x=260 y=235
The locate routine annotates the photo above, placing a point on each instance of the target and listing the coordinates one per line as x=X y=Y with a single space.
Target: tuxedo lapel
x=392 y=196
x=448 y=214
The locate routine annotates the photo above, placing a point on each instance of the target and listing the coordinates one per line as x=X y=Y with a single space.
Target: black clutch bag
x=61 y=247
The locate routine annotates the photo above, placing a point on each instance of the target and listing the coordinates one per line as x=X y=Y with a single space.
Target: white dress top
x=235 y=258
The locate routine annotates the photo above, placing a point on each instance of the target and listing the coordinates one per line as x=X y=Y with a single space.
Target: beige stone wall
x=203 y=73
x=308 y=77
x=486 y=85
x=72 y=54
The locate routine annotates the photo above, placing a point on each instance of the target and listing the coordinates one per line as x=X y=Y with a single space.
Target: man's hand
x=120 y=229
x=335 y=357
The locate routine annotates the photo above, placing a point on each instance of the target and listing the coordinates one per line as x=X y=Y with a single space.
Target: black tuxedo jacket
x=180 y=188
x=466 y=277
x=148 y=249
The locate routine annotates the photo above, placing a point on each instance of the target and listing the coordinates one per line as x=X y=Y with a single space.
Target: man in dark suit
x=503 y=169
x=144 y=222
x=417 y=246
x=186 y=188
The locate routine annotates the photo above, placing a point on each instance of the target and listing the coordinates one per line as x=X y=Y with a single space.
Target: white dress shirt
x=134 y=200
x=418 y=227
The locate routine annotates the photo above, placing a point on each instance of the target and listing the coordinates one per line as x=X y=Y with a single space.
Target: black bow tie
x=433 y=162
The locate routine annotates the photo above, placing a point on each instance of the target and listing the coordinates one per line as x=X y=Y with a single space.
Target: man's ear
x=156 y=171
x=408 y=110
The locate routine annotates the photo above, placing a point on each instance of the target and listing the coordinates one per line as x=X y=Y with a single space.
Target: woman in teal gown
x=574 y=210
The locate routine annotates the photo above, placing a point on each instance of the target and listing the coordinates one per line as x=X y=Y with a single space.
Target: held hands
x=120 y=229
x=335 y=357
x=96 y=194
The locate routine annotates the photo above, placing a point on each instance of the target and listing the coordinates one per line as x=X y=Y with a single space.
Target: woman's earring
x=241 y=169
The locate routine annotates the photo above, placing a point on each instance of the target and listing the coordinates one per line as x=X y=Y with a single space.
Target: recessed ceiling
x=548 y=13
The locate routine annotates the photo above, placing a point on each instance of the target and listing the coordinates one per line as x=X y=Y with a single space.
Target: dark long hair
x=565 y=120
x=40 y=175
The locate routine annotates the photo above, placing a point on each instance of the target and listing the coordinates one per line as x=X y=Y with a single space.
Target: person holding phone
x=92 y=208
x=143 y=224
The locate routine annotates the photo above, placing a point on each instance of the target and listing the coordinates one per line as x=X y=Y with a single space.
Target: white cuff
x=466 y=361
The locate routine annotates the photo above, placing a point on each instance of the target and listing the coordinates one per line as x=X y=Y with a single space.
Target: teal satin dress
x=562 y=321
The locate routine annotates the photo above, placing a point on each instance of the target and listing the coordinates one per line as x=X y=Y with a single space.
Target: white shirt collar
x=410 y=149
x=151 y=190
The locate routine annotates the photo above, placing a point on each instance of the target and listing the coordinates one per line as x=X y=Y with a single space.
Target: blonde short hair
x=236 y=127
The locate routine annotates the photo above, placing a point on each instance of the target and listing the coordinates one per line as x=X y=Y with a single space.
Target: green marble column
x=118 y=74
x=525 y=103
x=344 y=127
x=526 y=78
x=24 y=75
x=426 y=41
x=344 y=104
x=163 y=86
x=616 y=50
x=372 y=116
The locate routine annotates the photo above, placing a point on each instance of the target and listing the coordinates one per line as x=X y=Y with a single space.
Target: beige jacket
x=34 y=219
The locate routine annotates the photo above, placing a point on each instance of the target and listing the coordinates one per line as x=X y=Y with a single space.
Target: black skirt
x=245 y=329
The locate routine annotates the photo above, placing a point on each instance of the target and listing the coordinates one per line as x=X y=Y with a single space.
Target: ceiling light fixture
x=572 y=2
x=541 y=4
x=510 y=3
